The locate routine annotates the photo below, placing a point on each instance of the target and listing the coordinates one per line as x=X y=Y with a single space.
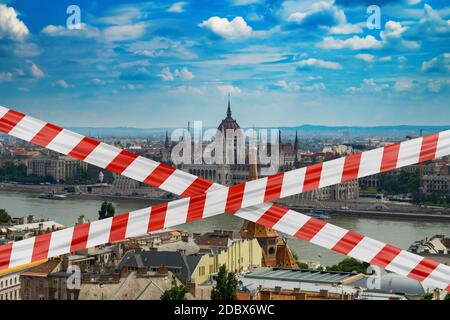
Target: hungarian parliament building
x=229 y=174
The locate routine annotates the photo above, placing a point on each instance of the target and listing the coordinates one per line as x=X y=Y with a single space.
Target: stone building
x=60 y=169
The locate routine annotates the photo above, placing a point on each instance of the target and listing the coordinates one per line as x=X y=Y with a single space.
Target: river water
x=400 y=232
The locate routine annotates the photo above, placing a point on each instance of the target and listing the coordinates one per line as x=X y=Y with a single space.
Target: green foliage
x=447 y=296
x=4 y=216
x=349 y=265
x=300 y=265
x=428 y=296
x=18 y=173
x=226 y=285
x=177 y=292
x=404 y=182
x=107 y=210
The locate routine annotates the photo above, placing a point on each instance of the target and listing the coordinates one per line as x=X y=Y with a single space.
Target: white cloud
x=365 y=57
x=125 y=32
x=187 y=90
x=10 y=26
x=230 y=30
x=436 y=86
x=166 y=74
x=34 y=70
x=98 y=81
x=163 y=47
x=404 y=85
x=183 y=74
x=391 y=37
x=244 y=2
x=6 y=76
x=369 y=86
x=62 y=84
x=437 y=64
x=177 y=7
x=430 y=26
x=312 y=62
x=225 y=89
x=122 y=15
x=85 y=31
x=27 y=50
x=385 y=58
x=354 y=43
x=289 y=86
x=324 y=14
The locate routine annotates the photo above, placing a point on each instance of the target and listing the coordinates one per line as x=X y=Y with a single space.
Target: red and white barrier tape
x=219 y=199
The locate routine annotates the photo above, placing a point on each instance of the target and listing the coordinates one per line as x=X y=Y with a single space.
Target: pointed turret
x=229 y=106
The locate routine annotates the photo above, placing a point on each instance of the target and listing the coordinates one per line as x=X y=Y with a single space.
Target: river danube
x=401 y=233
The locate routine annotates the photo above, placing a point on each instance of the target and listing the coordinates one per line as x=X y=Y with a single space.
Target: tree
x=177 y=292
x=300 y=265
x=4 y=216
x=349 y=265
x=447 y=296
x=226 y=285
x=428 y=296
x=107 y=210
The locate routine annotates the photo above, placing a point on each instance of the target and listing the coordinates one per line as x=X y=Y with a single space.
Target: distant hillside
x=303 y=131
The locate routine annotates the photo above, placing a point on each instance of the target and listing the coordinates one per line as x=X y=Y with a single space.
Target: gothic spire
x=229 y=107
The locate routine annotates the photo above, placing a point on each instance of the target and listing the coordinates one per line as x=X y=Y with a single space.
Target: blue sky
x=286 y=63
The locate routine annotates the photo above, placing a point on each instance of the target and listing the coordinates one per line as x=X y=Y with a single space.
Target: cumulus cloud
x=85 y=31
x=124 y=32
x=391 y=37
x=183 y=74
x=177 y=7
x=289 y=86
x=6 y=76
x=353 y=43
x=34 y=70
x=404 y=85
x=317 y=63
x=369 y=86
x=323 y=15
x=11 y=27
x=230 y=30
x=225 y=89
x=62 y=84
x=431 y=26
x=365 y=57
x=437 y=64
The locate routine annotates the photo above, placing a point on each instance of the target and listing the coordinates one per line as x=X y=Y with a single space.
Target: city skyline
x=286 y=63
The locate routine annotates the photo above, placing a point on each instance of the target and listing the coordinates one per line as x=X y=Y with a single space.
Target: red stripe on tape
x=428 y=149
x=390 y=157
x=423 y=269
x=5 y=256
x=272 y=216
x=310 y=229
x=46 y=135
x=80 y=237
x=351 y=167
x=348 y=242
x=312 y=177
x=385 y=256
x=41 y=246
x=159 y=175
x=234 y=198
x=118 y=227
x=10 y=120
x=157 y=217
x=196 y=207
x=199 y=186
x=273 y=188
x=121 y=162
x=84 y=148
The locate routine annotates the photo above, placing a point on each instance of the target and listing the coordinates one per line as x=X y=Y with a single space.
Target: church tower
x=275 y=250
